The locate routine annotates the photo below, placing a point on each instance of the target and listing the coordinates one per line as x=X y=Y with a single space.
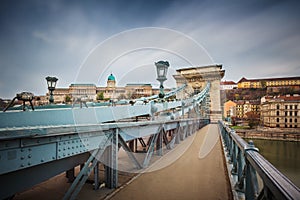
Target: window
x=286 y=107
x=291 y=107
x=285 y=120
x=278 y=107
x=277 y=125
x=295 y=120
x=291 y=126
x=291 y=113
x=277 y=113
x=296 y=113
x=291 y=120
x=296 y=107
x=286 y=113
x=277 y=119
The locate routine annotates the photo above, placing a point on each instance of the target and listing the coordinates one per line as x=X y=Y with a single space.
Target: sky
x=85 y=41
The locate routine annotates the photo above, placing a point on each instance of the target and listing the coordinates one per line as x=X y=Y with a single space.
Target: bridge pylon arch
x=196 y=78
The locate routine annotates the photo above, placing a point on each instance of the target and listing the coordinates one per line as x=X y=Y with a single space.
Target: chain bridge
x=37 y=145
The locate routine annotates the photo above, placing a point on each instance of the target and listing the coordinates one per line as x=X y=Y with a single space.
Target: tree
x=68 y=98
x=253 y=119
x=100 y=96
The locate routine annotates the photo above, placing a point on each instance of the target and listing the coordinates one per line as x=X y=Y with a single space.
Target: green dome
x=111 y=78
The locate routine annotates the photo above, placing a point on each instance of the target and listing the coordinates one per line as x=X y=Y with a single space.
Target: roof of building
x=111 y=77
x=295 y=97
x=138 y=84
x=252 y=102
x=268 y=79
x=82 y=84
x=228 y=83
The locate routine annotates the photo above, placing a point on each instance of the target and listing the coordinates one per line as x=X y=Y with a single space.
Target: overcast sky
x=85 y=41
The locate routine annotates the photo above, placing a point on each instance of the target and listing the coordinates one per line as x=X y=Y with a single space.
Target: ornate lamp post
x=162 y=69
x=51 y=82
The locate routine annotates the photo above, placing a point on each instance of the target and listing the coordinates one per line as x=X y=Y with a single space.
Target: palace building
x=268 y=82
x=110 y=91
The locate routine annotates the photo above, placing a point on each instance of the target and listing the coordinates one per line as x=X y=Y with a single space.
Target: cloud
x=252 y=38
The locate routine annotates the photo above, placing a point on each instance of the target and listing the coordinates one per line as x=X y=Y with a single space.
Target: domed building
x=110 y=91
x=111 y=81
x=131 y=90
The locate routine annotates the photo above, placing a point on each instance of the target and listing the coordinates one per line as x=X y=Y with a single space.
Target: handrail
x=247 y=162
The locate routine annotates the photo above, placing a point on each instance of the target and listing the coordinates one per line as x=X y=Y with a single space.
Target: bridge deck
x=200 y=173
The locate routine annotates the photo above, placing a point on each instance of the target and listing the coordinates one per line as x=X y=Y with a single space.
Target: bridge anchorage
x=37 y=145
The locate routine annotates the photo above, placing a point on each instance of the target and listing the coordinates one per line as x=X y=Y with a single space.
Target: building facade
x=243 y=107
x=229 y=109
x=268 y=82
x=281 y=111
x=110 y=91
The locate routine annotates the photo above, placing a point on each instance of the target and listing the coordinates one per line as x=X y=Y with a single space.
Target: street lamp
x=51 y=82
x=162 y=69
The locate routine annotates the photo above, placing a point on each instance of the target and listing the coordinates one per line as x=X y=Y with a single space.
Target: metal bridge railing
x=248 y=164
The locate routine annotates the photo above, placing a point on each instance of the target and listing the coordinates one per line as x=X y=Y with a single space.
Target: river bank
x=270 y=134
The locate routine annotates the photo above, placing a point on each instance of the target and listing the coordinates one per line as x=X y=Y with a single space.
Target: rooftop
x=228 y=83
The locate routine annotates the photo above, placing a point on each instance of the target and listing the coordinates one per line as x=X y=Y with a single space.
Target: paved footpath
x=200 y=173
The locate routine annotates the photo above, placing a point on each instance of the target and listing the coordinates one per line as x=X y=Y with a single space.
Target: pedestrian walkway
x=200 y=173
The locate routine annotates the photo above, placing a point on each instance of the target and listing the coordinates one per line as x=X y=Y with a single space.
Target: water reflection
x=284 y=155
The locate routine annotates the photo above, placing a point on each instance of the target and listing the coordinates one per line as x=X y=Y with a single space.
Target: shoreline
x=269 y=135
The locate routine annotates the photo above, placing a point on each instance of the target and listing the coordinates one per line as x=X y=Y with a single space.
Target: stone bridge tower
x=196 y=78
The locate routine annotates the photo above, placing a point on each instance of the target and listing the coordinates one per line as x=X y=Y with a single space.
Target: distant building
x=229 y=109
x=110 y=91
x=137 y=90
x=228 y=85
x=243 y=107
x=60 y=95
x=83 y=90
x=268 y=82
x=281 y=111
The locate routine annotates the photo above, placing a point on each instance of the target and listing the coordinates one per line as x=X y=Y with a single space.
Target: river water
x=284 y=155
